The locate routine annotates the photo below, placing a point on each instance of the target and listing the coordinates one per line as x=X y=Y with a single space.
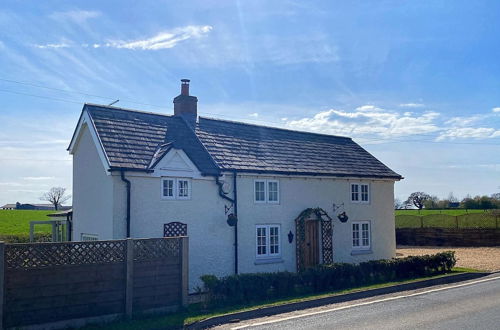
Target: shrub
x=245 y=288
x=25 y=238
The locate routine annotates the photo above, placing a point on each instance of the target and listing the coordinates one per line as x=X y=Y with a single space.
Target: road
x=470 y=305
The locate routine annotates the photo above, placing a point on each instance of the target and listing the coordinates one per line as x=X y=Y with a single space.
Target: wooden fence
x=471 y=220
x=448 y=236
x=67 y=284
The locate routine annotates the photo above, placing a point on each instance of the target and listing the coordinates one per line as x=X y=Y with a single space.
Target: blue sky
x=417 y=83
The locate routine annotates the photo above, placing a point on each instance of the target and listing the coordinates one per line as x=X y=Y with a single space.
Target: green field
x=17 y=222
x=446 y=219
x=427 y=212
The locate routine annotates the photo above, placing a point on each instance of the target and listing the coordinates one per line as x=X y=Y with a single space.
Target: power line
x=376 y=141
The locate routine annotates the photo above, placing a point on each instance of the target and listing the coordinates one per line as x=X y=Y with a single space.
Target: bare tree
x=56 y=196
x=418 y=198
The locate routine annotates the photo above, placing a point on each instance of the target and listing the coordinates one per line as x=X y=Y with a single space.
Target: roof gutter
x=122 y=172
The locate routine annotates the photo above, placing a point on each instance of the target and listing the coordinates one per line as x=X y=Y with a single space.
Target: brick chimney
x=186 y=106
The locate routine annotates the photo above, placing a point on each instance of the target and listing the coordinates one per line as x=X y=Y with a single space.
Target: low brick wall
x=448 y=237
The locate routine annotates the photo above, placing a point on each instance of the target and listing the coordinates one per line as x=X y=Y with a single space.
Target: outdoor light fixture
x=290 y=237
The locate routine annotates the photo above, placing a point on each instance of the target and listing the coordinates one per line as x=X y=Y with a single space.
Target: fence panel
x=477 y=220
x=50 y=282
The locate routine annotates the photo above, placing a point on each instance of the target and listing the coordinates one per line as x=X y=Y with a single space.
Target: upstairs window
x=176 y=188
x=360 y=193
x=266 y=191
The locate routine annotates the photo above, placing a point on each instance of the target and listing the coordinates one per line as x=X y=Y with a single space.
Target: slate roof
x=137 y=140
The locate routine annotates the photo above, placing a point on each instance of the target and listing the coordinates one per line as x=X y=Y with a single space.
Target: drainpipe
x=122 y=172
x=234 y=201
x=235 y=195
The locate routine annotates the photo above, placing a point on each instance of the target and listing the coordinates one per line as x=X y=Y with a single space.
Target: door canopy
x=314 y=214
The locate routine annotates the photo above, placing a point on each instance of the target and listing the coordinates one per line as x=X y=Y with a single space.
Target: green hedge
x=25 y=238
x=245 y=288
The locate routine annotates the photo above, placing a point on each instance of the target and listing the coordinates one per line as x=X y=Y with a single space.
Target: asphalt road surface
x=470 y=305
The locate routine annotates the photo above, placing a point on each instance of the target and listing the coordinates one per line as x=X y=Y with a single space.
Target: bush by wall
x=245 y=288
x=25 y=238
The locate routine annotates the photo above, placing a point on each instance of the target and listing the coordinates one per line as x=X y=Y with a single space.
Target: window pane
x=261 y=241
x=168 y=188
x=260 y=193
x=364 y=193
x=273 y=191
x=183 y=189
x=274 y=240
x=355 y=234
x=354 y=192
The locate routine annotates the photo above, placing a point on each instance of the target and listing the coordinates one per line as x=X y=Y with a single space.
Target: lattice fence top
x=154 y=248
x=42 y=255
x=174 y=229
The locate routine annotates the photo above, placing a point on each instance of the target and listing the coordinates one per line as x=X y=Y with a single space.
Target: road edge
x=286 y=308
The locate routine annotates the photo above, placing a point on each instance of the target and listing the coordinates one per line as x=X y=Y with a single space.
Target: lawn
x=17 y=222
x=459 y=218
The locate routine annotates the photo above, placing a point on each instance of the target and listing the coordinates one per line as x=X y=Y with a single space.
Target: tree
x=56 y=196
x=431 y=203
x=398 y=204
x=418 y=198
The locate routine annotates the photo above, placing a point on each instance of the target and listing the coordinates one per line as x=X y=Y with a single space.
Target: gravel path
x=482 y=258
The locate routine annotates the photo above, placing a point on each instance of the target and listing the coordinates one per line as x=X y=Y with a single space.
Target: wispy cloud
x=77 y=16
x=52 y=45
x=163 y=40
x=469 y=133
x=412 y=105
x=497 y=109
x=254 y=115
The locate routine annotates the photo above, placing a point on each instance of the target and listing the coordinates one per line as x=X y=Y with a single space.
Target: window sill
x=360 y=252
x=265 y=261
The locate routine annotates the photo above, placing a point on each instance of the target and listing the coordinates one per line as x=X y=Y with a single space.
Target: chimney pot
x=185 y=86
x=185 y=106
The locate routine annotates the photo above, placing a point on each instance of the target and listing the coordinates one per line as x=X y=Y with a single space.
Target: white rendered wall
x=92 y=191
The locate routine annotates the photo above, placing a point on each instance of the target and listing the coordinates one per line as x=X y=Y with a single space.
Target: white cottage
x=293 y=199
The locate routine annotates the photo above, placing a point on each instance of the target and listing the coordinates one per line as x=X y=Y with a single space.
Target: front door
x=311 y=246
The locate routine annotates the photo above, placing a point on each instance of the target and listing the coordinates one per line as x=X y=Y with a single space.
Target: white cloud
x=368 y=120
x=412 y=105
x=52 y=45
x=254 y=115
x=469 y=132
x=497 y=109
x=77 y=16
x=38 y=178
x=163 y=40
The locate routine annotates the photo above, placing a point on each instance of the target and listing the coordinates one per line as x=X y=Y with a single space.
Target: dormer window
x=176 y=188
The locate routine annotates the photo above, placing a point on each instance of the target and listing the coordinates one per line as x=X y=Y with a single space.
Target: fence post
x=184 y=253
x=2 y=279
x=456 y=220
x=496 y=221
x=421 y=221
x=129 y=280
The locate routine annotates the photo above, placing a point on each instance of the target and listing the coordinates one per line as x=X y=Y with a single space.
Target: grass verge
x=196 y=312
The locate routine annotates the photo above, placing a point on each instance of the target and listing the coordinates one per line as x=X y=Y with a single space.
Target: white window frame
x=163 y=180
x=84 y=237
x=360 y=193
x=268 y=254
x=266 y=191
x=176 y=188
x=255 y=191
x=360 y=235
